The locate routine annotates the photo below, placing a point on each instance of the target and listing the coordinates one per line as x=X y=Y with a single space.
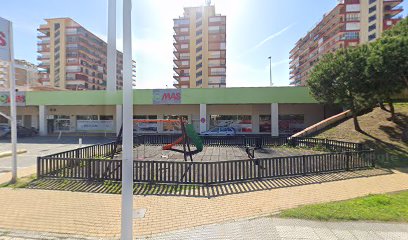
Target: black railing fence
x=93 y=151
x=346 y=156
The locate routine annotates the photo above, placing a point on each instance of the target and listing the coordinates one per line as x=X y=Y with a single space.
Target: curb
x=8 y=153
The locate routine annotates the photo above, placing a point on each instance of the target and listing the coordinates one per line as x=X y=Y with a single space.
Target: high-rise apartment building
x=350 y=23
x=200 y=48
x=73 y=58
x=26 y=75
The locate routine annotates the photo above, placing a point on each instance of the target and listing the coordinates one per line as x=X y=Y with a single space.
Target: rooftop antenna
x=208 y=2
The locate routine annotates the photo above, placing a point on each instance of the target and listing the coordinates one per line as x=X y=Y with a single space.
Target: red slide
x=169 y=146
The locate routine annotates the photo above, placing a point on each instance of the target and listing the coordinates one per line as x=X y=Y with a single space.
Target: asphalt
x=42 y=146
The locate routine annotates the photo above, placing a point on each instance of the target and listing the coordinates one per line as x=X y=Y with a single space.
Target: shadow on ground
x=110 y=187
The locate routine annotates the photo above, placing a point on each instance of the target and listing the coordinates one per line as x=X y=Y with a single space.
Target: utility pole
x=270 y=70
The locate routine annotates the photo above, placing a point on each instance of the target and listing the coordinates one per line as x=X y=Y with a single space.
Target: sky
x=256 y=29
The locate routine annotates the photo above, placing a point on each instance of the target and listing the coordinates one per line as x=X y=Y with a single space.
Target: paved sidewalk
x=98 y=215
x=292 y=229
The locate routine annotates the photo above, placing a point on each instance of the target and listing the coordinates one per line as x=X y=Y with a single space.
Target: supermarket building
x=263 y=110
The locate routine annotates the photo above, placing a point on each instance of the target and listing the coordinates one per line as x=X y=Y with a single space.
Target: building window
x=62 y=123
x=145 y=127
x=372 y=27
x=198 y=41
x=105 y=117
x=173 y=127
x=372 y=18
x=87 y=117
x=199 y=23
x=199 y=32
x=199 y=57
x=372 y=9
x=241 y=123
x=56 y=26
x=350 y=36
x=199 y=83
x=372 y=37
x=199 y=49
x=372 y=1
x=199 y=74
x=200 y=65
x=290 y=124
x=265 y=125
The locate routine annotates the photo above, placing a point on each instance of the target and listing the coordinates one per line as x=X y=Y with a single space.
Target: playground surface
x=214 y=153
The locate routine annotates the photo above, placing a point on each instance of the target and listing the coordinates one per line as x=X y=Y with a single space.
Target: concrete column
x=275 y=119
x=160 y=124
x=203 y=118
x=118 y=118
x=42 y=117
x=255 y=123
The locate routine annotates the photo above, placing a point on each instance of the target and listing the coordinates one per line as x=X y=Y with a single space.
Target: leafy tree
x=400 y=29
x=340 y=78
x=387 y=67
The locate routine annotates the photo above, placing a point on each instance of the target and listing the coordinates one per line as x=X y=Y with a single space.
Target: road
x=41 y=146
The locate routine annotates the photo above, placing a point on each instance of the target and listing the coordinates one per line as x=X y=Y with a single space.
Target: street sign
x=5 y=43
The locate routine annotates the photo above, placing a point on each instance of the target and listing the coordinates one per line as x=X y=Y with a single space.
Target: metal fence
x=67 y=165
x=205 y=173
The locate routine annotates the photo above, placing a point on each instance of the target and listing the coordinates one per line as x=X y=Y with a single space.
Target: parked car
x=5 y=131
x=220 y=131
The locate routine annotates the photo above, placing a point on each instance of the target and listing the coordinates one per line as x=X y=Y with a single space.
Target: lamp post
x=127 y=142
x=270 y=70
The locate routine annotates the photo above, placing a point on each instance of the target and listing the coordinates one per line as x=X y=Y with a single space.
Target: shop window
x=265 y=125
x=291 y=124
x=173 y=127
x=241 y=123
x=145 y=127
x=62 y=123
x=106 y=117
x=87 y=117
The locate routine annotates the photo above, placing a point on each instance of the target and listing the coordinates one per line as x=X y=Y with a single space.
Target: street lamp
x=270 y=70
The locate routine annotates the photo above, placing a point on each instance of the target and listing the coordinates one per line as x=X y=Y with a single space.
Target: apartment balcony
x=42 y=57
x=182 y=47
x=44 y=65
x=181 y=32
x=42 y=49
x=43 y=42
x=182 y=63
x=44 y=29
x=181 y=22
x=217 y=38
x=393 y=11
x=392 y=3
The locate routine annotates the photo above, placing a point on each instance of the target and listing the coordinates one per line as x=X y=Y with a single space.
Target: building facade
x=350 y=23
x=26 y=75
x=200 y=48
x=272 y=111
x=73 y=58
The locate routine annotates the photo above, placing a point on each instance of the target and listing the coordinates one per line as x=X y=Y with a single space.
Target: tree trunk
x=392 y=110
x=355 y=120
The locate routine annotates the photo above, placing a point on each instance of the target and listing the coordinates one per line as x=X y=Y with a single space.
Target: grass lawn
x=379 y=133
x=20 y=183
x=384 y=207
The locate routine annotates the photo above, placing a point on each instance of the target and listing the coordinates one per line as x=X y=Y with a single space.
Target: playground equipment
x=188 y=135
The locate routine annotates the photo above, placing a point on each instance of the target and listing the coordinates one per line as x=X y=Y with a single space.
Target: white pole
x=111 y=81
x=13 y=109
x=270 y=71
x=127 y=160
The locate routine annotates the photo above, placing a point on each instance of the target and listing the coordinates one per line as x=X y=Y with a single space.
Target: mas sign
x=5 y=99
x=166 y=96
x=5 y=39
